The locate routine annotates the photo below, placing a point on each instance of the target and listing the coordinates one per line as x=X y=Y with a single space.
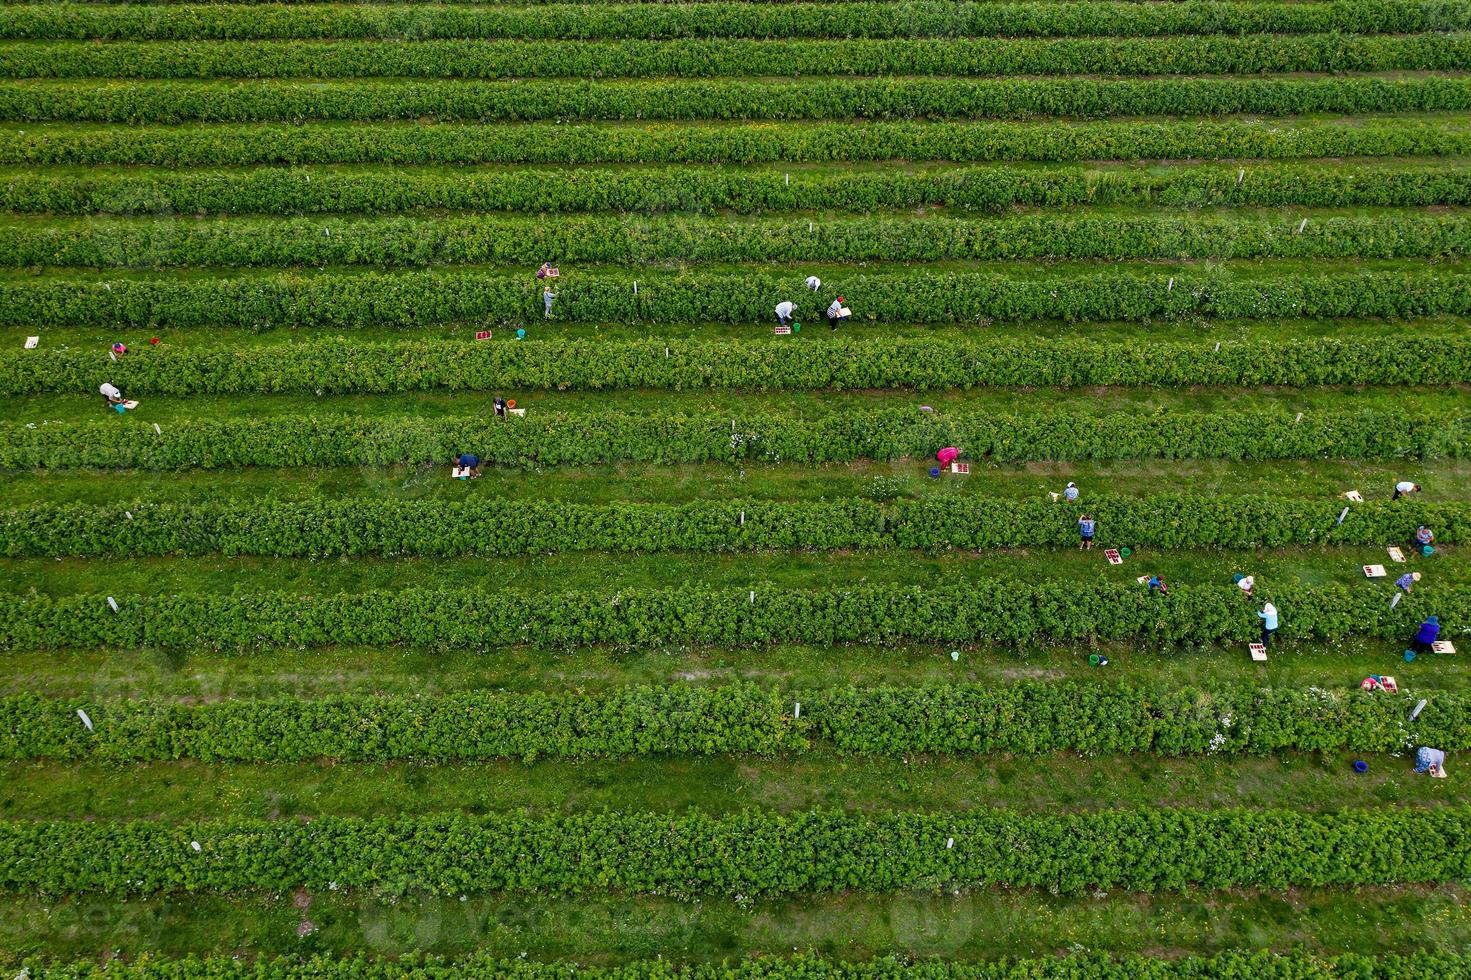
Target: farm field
x=717 y=669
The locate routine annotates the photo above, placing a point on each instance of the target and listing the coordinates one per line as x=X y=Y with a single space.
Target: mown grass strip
x=172 y=242
x=548 y=438
x=838 y=20
x=347 y=299
x=1235 y=55
x=751 y=854
x=1222 y=966
x=168 y=195
x=896 y=98
x=1444 y=480
x=983 y=610
x=189 y=790
x=809 y=142
x=1430 y=923
x=1021 y=718
x=342 y=366
x=391 y=528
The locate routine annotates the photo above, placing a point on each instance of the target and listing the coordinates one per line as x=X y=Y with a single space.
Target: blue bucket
x=934 y=471
x=1360 y=766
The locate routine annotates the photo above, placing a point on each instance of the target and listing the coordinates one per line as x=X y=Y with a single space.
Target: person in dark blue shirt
x=470 y=463
x=1086 y=526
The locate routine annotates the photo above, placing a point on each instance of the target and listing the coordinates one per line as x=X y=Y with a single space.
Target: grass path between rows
x=678 y=484
x=740 y=404
x=203 y=675
x=617 y=929
x=186 y=791
x=1195 y=329
x=603 y=572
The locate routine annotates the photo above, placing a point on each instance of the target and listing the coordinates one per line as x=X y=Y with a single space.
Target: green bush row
x=1028 y=717
x=342 y=366
x=750 y=853
x=560 y=438
x=961 y=140
x=392 y=528
x=836 y=20
x=993 y=187
x=1247 y=54
x=340 y=299
x=891 y=98
x=395 y=242
x=1233 y=965
x=989 y=611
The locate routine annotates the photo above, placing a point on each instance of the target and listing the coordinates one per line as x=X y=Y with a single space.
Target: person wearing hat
x=814 y=283
x=784 y=312
x=1430 y=761
x=1406 y=580
x=1070 y=493
x=109 y=392
x=1268 y=616
x=835 y=313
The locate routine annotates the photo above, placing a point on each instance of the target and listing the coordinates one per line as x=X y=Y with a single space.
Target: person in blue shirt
x=1425 y=638
x=1070 y=493
x=1086 y=526
x=1268 y=616
x=1431 y=761
x=1157 y=584
x=470 y=463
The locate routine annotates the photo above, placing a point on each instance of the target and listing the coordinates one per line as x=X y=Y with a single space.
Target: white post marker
x=949 y=843
x=112 y=354
x=1394 y=601
x=797 y=711
x=128 y=514
x=1302 y=226
x=195 y=844
x=753 y=597
x=743 y=518
x=635 y=287
x=1218 y=347
x=112 y=603
x=1240 y=176
x=1418 y=708
x=1342 y=514
x=1299 y=417
x=666 y=353
x=1171 y=288
x=156 y=430
x=85 y=720
x=789 y=180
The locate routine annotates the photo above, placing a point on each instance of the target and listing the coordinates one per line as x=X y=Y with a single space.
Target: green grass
x=604 y=573
x=616 y=929
x=1197 y=329
x=109 y=674
x=737 y=404
x=676 y=484
x=183 y=791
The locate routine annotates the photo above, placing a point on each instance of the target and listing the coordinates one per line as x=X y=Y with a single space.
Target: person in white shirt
x=1246 y=583
x=110 y=392
x=784 y=311
x=814 y=283
x=1404 y=487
